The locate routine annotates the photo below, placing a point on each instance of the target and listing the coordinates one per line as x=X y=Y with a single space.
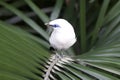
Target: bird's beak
x=49 y=29
x=47 y=24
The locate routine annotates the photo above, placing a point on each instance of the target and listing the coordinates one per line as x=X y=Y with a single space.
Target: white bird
x=62 y=36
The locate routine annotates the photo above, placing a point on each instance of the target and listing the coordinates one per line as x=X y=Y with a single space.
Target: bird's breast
x=62 y=40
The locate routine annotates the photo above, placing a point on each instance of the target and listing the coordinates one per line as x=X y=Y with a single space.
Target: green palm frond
x=24 y=56
x=20 y=56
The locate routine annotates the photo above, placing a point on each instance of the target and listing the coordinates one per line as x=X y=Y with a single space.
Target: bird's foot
x=58 y=56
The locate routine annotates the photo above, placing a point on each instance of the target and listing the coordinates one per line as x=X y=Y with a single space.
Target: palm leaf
x=18 y=56
x=56 y=12
x=26 y=57
x=26 y=19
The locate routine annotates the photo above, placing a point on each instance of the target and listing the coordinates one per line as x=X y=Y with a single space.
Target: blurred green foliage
x=24 y=53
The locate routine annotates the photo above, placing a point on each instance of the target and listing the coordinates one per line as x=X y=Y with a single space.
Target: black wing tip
x=51 y=49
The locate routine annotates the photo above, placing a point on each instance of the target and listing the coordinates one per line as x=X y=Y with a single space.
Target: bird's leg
x=62 y=53
x=58 y=56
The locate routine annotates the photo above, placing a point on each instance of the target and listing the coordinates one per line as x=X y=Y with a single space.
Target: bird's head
x=58 y=24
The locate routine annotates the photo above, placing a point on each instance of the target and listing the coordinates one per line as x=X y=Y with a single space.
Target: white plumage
x=63 y=35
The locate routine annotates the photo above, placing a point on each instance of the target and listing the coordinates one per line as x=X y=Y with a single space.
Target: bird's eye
x=55 y=25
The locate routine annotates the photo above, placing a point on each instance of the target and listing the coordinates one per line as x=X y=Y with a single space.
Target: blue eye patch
x=55 y=25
